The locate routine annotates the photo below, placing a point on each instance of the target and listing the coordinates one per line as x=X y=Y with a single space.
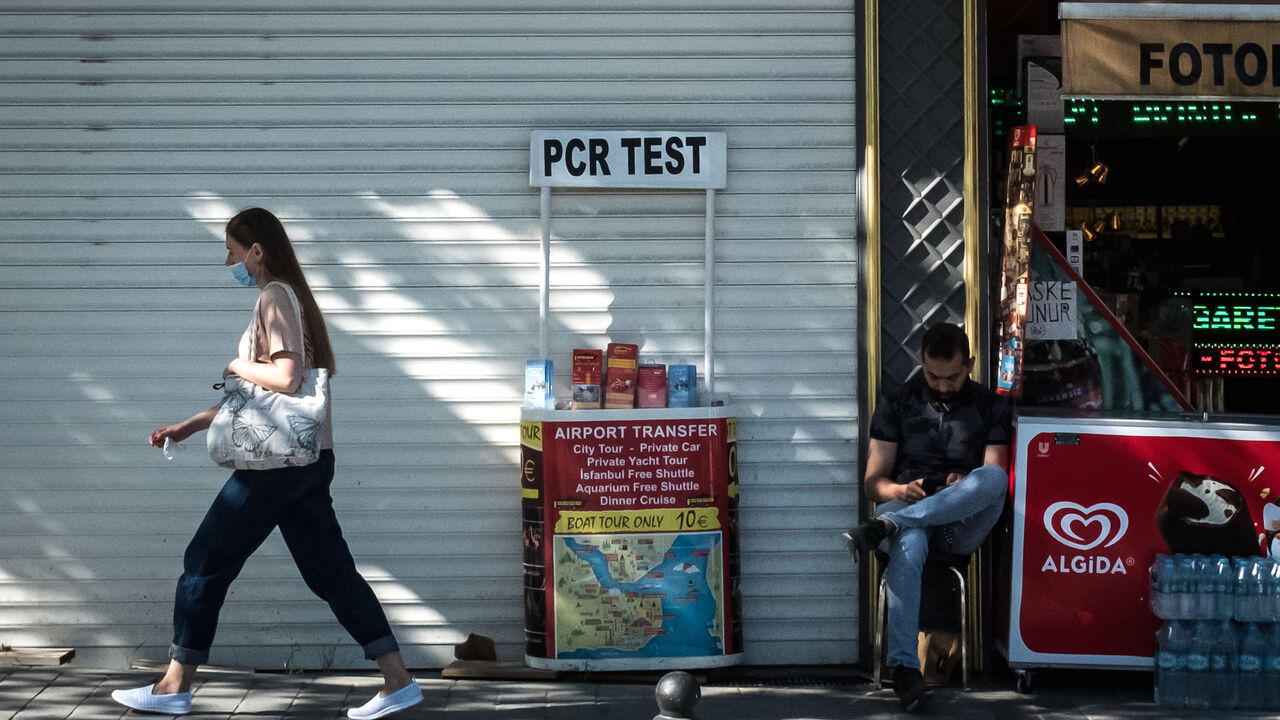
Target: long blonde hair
x=256 y=225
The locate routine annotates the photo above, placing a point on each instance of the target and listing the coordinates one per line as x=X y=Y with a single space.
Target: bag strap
x=297 y=310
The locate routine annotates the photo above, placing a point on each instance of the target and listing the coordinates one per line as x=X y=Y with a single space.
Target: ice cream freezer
x=1094 y=499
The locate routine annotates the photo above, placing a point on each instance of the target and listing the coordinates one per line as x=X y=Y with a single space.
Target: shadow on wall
x=432 y=304
x=432 y=313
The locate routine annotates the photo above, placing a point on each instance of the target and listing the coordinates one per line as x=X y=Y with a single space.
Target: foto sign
x=634 y=159
x=1171 y=50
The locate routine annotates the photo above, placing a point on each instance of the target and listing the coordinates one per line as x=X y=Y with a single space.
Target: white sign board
x=1044 y=100
x=1050 y=210
x=1051 y=311
x=633 y=159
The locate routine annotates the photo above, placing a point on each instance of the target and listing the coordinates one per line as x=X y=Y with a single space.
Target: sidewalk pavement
x=794 y=693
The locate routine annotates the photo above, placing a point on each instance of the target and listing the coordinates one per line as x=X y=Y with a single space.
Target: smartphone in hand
x=934 y=482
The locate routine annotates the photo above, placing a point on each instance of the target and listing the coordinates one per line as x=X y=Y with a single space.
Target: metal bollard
x=677 y=692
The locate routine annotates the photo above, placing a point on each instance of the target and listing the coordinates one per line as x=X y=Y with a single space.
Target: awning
x=1170 y=50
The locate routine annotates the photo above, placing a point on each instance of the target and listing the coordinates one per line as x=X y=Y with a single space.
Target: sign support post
x=634 y=159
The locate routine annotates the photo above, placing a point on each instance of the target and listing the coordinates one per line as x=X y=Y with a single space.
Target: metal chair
x=956 y=564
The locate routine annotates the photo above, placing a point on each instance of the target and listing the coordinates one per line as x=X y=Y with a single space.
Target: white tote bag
x=258 y=429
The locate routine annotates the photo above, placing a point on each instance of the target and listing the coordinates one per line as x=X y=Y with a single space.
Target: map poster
x=633 y=549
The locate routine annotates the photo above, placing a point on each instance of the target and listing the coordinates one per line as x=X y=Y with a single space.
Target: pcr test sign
x=635 y=159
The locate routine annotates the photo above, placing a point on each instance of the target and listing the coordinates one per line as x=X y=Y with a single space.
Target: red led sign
x=1258 y=360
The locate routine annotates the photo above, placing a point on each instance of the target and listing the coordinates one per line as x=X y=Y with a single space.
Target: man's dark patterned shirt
x=934 y=440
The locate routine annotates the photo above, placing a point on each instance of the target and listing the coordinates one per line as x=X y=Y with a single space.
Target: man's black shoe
x=910 y=687
x=866 y=537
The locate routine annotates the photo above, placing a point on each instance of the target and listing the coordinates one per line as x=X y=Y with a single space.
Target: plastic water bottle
x=1261 y=587
x=1273 y=592
x=1206 y=598
x=1239 y=571
x=1223 y=588
x=1170 y=656
x=1252 y=687
x=1271 y=670
x=1161 y=573
x=1198 y=678
x=1185 y=586
x=1249 y=588
x=1259 y=576
x=1222 y=665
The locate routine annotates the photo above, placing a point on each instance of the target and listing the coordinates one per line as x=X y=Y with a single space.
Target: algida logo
x=1085 y=528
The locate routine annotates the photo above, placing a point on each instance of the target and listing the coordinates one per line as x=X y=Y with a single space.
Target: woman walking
x=279 y=346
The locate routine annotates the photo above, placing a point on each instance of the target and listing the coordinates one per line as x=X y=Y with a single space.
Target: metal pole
x=709 y=285
x=544 y=266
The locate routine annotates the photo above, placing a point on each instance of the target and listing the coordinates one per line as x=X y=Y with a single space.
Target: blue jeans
x=955 y=519
x=250 y=506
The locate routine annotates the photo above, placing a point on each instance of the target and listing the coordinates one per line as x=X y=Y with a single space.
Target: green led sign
x=1234 y=317
x=1191 y=113
x=1152 y=118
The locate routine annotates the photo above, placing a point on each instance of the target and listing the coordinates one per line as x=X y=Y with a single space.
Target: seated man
x=937 y=464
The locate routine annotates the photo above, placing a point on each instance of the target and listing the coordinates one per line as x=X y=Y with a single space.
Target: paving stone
x=85 y=694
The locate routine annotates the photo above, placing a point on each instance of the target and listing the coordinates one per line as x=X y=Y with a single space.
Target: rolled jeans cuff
x=187 y=656
x=384 y=645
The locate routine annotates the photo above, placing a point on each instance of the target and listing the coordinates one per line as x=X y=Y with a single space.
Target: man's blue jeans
x=250 y=506
x=955 y=519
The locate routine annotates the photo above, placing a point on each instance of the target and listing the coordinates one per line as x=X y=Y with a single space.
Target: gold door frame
x=974 y=265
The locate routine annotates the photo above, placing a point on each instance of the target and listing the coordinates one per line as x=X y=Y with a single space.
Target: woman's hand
x=185 y=429
x=177 y=432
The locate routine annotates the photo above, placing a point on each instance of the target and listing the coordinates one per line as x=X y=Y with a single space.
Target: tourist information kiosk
x=630 y=516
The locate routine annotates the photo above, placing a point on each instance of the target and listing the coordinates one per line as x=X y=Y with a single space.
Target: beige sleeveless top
x=279 y=329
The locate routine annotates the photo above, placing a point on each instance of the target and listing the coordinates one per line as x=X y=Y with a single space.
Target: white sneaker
x=143 y=699
x=380 y=706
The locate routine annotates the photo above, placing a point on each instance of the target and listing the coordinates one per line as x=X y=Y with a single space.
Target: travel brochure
x=613 y=379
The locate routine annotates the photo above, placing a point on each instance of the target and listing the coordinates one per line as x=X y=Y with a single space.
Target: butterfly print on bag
x=235 y=400
x=307 y=432
x=249 y=435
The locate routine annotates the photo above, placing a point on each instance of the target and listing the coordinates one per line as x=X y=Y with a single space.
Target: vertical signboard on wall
x=1015 y=261
x=631 y=539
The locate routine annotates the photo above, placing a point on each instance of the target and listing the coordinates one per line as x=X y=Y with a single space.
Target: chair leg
x=964 y=629
x=878 y=628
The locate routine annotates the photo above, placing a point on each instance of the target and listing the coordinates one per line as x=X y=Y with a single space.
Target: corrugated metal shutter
x=392 y=138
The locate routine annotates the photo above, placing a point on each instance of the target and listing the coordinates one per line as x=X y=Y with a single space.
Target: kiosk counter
x=630 y=539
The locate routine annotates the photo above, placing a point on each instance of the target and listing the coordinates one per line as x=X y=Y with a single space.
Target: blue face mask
x=242 y=275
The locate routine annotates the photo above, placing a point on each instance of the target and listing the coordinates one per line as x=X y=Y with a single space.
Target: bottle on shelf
x=1161 y=574
x=1249 y=586
x=1171 y=650
x=1205 y=591
x=1184 y=587
x=1199 y=680
x=1271 y=671
x=1223 y=589
x=1222 y=664
x=1253 y=693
